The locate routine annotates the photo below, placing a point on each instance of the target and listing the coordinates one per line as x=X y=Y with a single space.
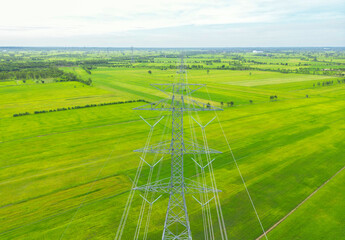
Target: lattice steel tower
x=177 y=224
x=177 y=209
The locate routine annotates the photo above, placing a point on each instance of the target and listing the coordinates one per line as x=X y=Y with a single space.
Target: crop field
x=66 y=173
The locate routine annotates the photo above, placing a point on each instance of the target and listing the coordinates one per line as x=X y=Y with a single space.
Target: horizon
x=198 y=48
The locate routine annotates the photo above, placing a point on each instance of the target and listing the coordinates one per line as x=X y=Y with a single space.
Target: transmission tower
x=177 y=186
x=132 y=59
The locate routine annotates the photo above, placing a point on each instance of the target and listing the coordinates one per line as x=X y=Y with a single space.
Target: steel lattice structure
x=177 y=225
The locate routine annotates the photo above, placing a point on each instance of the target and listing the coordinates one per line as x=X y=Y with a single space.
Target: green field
x=67 y=174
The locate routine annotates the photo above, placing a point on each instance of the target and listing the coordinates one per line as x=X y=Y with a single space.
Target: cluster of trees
x=329 y=83
x=236 y=67
x=124 y=65
x=93 y=62
x=16 y=65
x=319 y=71
x=264 y=63
x=223 y=67
x=70 y=77
x=240 y=67
x=88 y=68
x=37 y=68
x=34 y=73
x=230 y=104
x=196 y=66
x=42 y=73
x=77 y=107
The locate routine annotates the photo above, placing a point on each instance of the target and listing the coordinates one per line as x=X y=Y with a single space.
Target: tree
x=250 y=101
x=149 y=71
x=231 y=103
x=221 y=103
x=273 y=97
x=208 y=71
x=208 y=105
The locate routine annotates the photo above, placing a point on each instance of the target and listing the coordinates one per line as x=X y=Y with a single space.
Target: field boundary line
x=300 y=204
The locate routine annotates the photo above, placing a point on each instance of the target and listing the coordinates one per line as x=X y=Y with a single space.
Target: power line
x=240 y=173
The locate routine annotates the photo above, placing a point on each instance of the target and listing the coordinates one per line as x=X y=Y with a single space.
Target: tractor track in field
x=60 y=213
x=51 y=172
x=300 y=204
x=75 y=130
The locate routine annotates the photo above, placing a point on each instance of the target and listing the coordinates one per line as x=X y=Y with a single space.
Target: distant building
x=256 y=51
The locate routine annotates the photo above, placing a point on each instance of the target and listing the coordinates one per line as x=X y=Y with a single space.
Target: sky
x=173 y=23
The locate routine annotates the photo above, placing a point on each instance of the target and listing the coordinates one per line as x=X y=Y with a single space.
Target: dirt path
x=293 y=210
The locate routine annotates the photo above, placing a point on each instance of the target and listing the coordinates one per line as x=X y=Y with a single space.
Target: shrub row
x=21 y=114
x=77 y=107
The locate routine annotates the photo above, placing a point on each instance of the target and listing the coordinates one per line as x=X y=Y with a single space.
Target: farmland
x=66 y=174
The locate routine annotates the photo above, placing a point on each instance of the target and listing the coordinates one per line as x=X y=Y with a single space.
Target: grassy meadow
x=67 y=174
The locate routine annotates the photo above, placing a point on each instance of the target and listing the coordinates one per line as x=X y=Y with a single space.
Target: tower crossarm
x=164 y=186
x=168 y=88
x=169 y=105
x=189 y=147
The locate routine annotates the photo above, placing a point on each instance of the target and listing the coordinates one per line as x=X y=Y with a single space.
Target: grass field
x=67 y=175
x=309 y=221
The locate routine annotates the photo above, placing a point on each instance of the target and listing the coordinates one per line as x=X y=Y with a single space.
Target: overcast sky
x=172 y=23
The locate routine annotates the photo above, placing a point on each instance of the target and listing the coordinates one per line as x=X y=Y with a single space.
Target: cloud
x=70 y=19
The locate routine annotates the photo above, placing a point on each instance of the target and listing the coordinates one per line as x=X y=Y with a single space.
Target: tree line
x=329 y=83
x=232 y=103
x=78 y=107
